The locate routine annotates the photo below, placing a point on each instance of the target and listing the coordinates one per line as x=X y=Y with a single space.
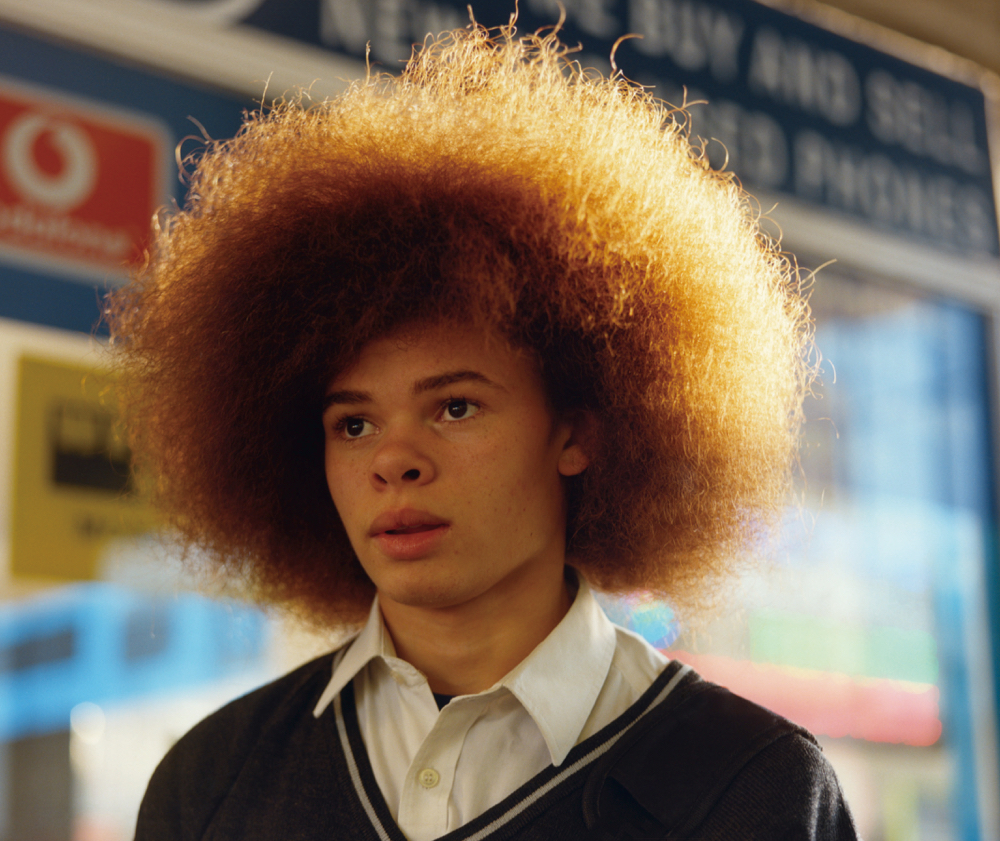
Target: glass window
x=871 y=626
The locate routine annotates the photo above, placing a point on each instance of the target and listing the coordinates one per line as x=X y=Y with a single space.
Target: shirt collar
x=373 y=641
x=557 y=684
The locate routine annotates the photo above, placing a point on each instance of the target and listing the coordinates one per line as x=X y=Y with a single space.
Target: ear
x=581 y=433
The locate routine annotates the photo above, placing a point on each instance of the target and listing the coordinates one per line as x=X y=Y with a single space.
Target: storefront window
x=871 y=627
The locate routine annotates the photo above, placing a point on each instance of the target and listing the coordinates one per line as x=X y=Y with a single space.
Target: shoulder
x=731 y=767
x=197 y=772
x=787 y=791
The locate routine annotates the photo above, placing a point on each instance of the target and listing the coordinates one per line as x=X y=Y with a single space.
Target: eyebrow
x=349 y=398
x=450 y=377
x=354 y=398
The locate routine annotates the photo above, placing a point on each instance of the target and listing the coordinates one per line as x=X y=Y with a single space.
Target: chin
x=421 y=585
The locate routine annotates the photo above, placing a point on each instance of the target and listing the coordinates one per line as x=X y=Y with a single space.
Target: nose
x=399 y=462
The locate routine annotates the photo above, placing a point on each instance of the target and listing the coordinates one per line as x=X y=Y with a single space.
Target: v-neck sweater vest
x=264 y=768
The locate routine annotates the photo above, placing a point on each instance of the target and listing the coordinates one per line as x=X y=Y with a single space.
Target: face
x=446 y=466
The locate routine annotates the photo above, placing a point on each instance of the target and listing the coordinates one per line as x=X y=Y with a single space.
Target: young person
x=436 y=357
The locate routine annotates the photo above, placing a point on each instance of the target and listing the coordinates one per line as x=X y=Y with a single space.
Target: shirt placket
x=425 y=804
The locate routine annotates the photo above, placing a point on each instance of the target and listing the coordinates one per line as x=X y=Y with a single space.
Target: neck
x=469 y=647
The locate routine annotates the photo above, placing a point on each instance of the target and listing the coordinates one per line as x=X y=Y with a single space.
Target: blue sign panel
x=791 y=107
x=101 y=643
x=86 y=156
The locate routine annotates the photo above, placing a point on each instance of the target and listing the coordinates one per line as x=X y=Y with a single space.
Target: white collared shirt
x=438 y=770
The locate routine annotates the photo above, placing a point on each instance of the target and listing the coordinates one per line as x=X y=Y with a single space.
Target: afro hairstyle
x=497 y=183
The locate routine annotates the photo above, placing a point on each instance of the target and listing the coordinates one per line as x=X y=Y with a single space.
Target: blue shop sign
x=791 y=108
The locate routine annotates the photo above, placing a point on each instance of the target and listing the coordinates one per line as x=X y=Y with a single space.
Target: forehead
x=423 y=352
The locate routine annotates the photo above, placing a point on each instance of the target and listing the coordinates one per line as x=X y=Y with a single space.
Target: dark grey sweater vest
x=687 y=760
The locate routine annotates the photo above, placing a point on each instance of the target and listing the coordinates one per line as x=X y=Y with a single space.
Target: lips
x=405 y=520
x=408 y=534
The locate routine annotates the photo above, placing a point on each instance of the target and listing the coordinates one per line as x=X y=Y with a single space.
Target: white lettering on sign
x=593 y=61
x=748 y=142
x=822 y=82
x=389 y=34
x=695 y=35
x=342 y=23
x=907 y=114
x=74 y=181
x=907 y=199
x=64 y=232
x=592 y=16
x=391 y=27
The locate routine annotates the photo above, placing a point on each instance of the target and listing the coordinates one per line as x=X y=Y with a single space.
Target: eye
x=459 y=409
x=355 y=427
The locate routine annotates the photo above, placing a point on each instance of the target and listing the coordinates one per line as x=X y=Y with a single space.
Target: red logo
x=78 y=183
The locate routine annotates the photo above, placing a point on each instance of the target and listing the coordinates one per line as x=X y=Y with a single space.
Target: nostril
x=412 y=474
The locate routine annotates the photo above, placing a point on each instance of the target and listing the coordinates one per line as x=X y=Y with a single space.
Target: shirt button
x=428 y=778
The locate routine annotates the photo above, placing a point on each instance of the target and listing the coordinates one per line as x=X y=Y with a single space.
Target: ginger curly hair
x=496 y=182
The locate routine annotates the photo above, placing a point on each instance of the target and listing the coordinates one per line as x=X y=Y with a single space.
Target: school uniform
x=594 y=734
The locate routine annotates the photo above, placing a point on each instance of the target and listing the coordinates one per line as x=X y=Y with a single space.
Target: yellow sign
x=73 y=490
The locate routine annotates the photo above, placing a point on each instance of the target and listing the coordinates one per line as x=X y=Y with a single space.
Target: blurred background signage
x=73 y=492
x=78 y=182
x=792 y=107
x=86 y=157
x=101 y=644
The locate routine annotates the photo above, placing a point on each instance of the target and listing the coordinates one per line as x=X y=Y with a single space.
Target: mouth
x=415 y=529
x=408 y=534
x=406 y=521
x=415 y=540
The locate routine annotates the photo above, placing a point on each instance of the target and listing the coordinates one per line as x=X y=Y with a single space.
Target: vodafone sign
x=78 y=183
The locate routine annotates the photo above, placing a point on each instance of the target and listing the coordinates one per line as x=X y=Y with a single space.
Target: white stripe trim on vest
x=352 y=767
x=599 y=751
x=521 y=805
